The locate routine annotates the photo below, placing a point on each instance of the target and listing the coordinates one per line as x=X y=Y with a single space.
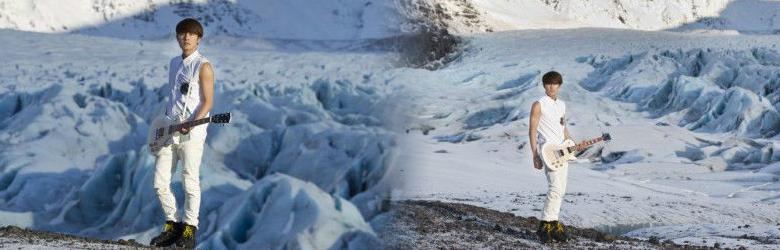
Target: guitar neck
x=586 y=143
x=190 y=124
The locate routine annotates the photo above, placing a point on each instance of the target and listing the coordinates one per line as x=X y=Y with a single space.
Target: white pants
x=190 y=152
x=556 y=188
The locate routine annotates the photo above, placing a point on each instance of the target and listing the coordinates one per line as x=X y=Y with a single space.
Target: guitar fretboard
x=189 y=124
x=585 y=144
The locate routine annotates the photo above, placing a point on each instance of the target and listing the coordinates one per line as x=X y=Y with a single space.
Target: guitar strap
x=179 y=138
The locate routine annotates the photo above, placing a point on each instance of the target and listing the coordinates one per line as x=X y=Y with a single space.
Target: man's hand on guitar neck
x=200 y=115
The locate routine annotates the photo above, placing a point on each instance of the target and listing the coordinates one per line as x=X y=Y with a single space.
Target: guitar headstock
x=221 y=118
x=606 y=137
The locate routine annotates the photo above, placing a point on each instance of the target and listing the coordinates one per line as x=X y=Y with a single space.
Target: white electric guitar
x=163 y=129
x=557 y=156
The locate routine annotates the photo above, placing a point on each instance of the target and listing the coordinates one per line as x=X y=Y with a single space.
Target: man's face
x=188 y=40
x=551 y=89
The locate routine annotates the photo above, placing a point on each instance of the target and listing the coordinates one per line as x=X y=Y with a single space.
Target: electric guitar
x=557 y=156
x=164 y=128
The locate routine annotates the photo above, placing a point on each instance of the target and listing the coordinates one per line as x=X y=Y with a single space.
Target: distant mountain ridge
x=293 y=19
x=369 y=19
x=476 y=16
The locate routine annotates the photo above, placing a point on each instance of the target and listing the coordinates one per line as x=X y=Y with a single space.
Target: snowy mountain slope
x=744 y=16
x=349 y=20
x=73 y=128
x=151 y=19
x=657 y=171
x=476 y=16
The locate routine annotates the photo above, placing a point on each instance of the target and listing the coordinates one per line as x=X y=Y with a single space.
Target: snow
x=699 y=16
x=38 y=244
x=350 y=20
x=731 y=236
x=728 y=90
x=17 y=219
x=283 y=212
x=154 y=19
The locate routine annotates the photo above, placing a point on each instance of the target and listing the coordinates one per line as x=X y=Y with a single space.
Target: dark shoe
x=559 y=232
x=187 y=239
x=545 y=231
x=169 y=235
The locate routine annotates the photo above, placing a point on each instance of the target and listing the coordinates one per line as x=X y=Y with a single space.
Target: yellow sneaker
x=169 y=235
x=545 y=231
x=187 y=239
x=559 y=232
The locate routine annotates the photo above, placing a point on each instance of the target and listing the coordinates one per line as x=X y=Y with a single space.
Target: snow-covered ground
x=13 y=237
x=693 y=119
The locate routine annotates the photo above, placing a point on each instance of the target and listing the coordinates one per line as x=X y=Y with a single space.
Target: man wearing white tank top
x=191 y=82
x=547 y=125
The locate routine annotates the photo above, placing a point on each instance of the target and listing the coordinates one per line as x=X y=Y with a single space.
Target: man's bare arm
x=206 y=90
x=536 y=113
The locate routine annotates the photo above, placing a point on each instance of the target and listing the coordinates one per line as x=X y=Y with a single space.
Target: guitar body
x=556 y=156
x=157 y=141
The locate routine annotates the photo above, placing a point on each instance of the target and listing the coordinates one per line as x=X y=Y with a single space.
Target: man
x=191 y=82
x=547 y=118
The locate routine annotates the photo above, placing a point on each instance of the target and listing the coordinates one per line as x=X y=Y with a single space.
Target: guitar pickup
x=159 y=133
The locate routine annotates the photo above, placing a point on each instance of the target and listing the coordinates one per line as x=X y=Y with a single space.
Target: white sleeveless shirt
x=185 y=74
x=551 y=121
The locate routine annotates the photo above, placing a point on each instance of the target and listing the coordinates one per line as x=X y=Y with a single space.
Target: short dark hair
x=552 y=77
x=189 y=25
